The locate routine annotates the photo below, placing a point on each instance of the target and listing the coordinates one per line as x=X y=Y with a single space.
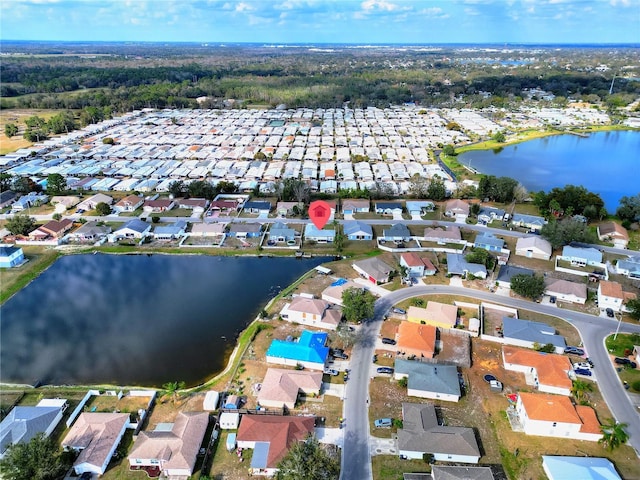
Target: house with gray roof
x=170 y=232
x=355 y=230
x=527 y=333
x=629 y=267
x=417 y=208
x=458 y=472
x=280 y=232
x=90 y=232
x=565 y=290
x=458 y=265
x=421 y=434
x=133 y=229
x=388 y=208
x=428 y=380
x=11 y=256
x=245 y=230
x=489 y=214
x=398 y=232
x=489 y=242
x=581 y=256
x=373 y=269
x=507 y=272
x=532 y=222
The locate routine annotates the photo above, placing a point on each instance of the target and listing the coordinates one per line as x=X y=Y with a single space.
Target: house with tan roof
x=534 y=247
x=610 y=295
x=450 y=234
x=565 y=290
x=281 y=387
x=95 y=436
x=416 y=339
x=270 y=437
x=351 y=206
x=312 y=312
x=547 y=372
x=436 y=314
x=158 y=206
x=613 y=232
x=208 y=229
x=333 y=293
x=459 y=209
x=556 y=416
x=416 y=265
x=172 y=448
x=130 y=203
x=92 y=202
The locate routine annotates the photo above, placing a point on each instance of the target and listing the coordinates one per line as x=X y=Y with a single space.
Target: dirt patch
x=456 y=348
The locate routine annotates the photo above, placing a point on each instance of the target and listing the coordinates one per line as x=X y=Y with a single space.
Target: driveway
x=333 y=436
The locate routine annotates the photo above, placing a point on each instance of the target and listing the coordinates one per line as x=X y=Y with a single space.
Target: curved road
x=356 y=458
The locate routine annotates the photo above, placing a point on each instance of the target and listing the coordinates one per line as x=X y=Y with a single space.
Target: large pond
x=607 y=163
x=136 y=319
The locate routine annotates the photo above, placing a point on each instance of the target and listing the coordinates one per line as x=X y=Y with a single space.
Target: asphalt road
x=356 y=458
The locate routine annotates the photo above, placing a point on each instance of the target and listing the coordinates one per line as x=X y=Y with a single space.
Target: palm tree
x=613 y=434
x=580 y=387
x=173 y=388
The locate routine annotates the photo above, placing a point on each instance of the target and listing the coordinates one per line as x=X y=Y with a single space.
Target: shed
x=229 y=420
x=231 y=441
x=232 y=401
x=210 y=402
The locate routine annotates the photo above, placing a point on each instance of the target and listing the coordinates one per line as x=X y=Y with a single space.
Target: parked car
x=552 y=299
x=625 y=361
x=574 y=350
x=609 y=312
x=383 y=423
x=582 y=366
x=331 y=371
x=583 y=371
x=388 y=341
x=340 y=355
x=399 y=311
x=388 y=370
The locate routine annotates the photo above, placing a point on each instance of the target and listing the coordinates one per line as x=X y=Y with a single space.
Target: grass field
x=18 y=116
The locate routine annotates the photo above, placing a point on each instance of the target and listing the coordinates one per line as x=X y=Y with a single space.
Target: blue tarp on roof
x=340 y=281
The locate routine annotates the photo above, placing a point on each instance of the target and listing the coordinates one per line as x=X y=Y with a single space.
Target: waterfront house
x=52 y=229
x=458 y=209
x=130 y=203
x=135 y=228
x=311 y=232
x=568 y=468
x=355 y=230
x=373 y=269
x=566 y=291
x=208 y=229
x=158 y=206
x=416 y=265
x=429 y=380
x=547 y=372
x=333 y=293
x=507 y=272
x=436 y=314
x=309 y=350
x=416 y=339
x=280 y=387
x=311 y=312
x=11 y=256
x=527 y=333
x=173 y=231
x=280 y=232
x=534 y=247
x=458 y=265
x=90 y=232
x=245 y=230
x=397 y=233
x=613 y=232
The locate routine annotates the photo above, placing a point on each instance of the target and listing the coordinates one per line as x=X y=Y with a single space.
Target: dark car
x=340 y=355
x=583 y=371
x=574 y=350
x=609 y=312
x=388 y=370
x=86 y=476
x=388 y=341
x=625 y=361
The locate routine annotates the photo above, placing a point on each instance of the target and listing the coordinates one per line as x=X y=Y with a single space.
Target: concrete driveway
x=333 y=436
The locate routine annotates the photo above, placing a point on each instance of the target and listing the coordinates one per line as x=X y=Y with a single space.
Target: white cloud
x=369 y=5
x=244 y=7
x=622 y=3
x=471 y=11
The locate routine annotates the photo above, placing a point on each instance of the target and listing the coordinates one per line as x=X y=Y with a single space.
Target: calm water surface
x=136 y=319
x=607 y=163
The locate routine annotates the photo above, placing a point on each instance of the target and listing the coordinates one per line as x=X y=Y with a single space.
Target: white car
x=581 y=366
x=331 y=371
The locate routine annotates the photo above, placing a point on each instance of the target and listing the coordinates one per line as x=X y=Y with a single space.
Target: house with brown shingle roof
x=556 y=416
x=613 y=232
x=129 y=203
x=312 y=312
x=416 y=339
x=281 y=387
x=173 y=450
x=548 y=372
x=566 y=291
x=52 y=229
x=441 y=236
x=270 y=437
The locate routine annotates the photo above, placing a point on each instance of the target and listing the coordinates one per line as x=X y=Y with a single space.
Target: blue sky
x=340 y=21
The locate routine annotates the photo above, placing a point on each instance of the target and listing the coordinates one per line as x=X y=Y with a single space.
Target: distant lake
x=136 y=319
x=607 y=163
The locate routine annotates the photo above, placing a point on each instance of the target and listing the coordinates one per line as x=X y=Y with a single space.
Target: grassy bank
x=13 y=280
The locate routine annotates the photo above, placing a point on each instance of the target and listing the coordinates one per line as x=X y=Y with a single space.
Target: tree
x=308 y=460
x=173 y=389
x=6 y=182
x=633 y=306
x=529 y=286
x=499 y=137
x=357 y=304
x=38 y=459
x=63 y=122
x=177 y=188
x=520 y=193
x=226 y=187
x=613 y=434
x=480 y=256
x=449 y=150
x=339 y=239
x=108 y=141
x=10 y=129
x=563 y=232
x=103 y=209
x=201 y=189
x=25 y=185
x=436 y=190
x=418 y=186
x=20 y=224
x=629 y=208
x=56 y=184
x=579 y=388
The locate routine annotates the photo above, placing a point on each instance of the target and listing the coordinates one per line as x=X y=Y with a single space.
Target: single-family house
x=11 y=256
x=284 y=209
x=565 y=290
x=356 y=230
x=547 y=372
x=51 y=229
x=388 y=208
x=7 y=198
x=436 y=314
x=442 y=236
x=416 y=339
x=456 y=208
x=416 y=265
x=610 y=295
x=31 y=199
x=326 y=235
x=271 y=437
x=130 y=203
x=24 y=423
x=581 y=256
x=92 y=202
x=66 y=201
x=429 y=380
x=90 y=232
x=95 y=436
x=458 y=265
x=280 y=232
x=158 y=206
x=173 y=231
x=208 y=229
x=373 y=269
x=192 y=203
x=629 y=267
x=222 y=206
x=457 y=472
x=507 y=272
x=309 y=350
x=172 y=448
x=548 y=415
x=532 y=222
x=312 y=312
x=333 y=293
x=422 y=434
x=489 y=242
x=398 y=232
x=487 y=215
x=245 y=230
x=527 y=333
x=534 y=247
x=570 y=468
x=351 y=206
x=135 y=228
x=259 y=207
x=280 y=387
x=417 y=208
x=613 y=232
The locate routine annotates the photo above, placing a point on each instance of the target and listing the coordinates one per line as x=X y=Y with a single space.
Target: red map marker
x=319 y=213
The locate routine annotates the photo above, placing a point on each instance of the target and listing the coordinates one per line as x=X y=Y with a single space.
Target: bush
x=155 y=219
x=636 y=385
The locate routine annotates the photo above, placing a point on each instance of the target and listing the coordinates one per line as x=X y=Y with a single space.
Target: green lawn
x=621 y=343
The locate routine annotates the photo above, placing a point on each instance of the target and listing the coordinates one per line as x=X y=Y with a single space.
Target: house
x=565 y=290
x=355 y=230
x=450 y=234
x=229 y=420
x=92 y=202
x=311 y=312
x=580 y=256
x=421 y=434
x=548 y=415
x=11 y=256
x=397 y=233
x=280 y=232
x=309 y=350
x=90 y=232
x=416 y=339
x=31 y=199
x=192 y=203
x=51 y=229
x=436 y=314
x=158 y=206
x=507 y=272
x=172 y=447
x=629 y=267
x=534 y=247
x=7 y=198
x=135 y=228
x=24 y=423
x=333 y=293
x=221 y=206
x=429 y=380
x=281 y=387
x=208 y=229
x=416 y=265
x=570 y=468
x=245 y=230
x=388 y=208
x=95 y=436
x=487 y=215
x=456 y=472
x=174 y=231
x=311 y=232
x=458 y=265
x=373 y=269
x=286 y=208
x=610 y=295
x=527 y=333
x=456 y=208
x=67 y=201
x=351 y=206
x=533 y=222
x=613 y=232
x=262 y=208
x=547 y=372
x=419 y=208
x=489 y=242
x=270 y=437
x=130 y=203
